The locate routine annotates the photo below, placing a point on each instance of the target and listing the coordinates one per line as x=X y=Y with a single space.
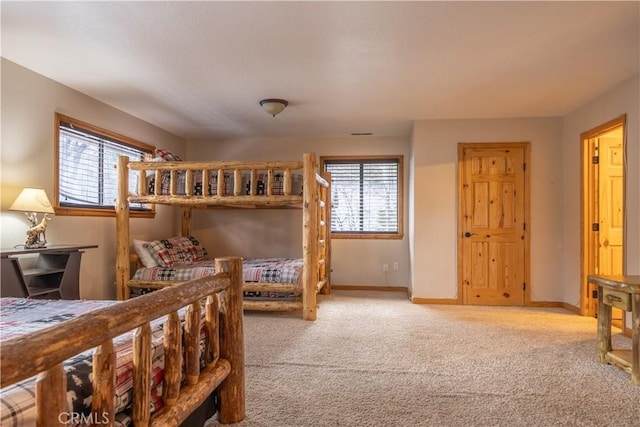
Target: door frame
x=527 y=211
x=587 y=237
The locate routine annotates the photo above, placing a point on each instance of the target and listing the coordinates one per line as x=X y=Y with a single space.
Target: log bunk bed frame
x=314 y=201
x=43 y=352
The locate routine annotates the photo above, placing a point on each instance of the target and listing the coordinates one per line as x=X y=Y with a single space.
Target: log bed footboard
x=43 y=352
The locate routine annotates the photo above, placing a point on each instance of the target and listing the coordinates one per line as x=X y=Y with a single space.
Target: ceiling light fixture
x=273 y=106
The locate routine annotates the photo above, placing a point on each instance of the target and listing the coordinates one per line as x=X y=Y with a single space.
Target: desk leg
x=635 y=339
x=604 y=327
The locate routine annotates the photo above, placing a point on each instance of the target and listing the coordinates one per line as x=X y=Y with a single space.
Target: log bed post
x=326 y=233
x=309 y=236
x=122 y=229
x=232 y=389
x=186 y=222
x=51 y=405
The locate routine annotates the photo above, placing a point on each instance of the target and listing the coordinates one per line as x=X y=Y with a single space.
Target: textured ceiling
x=199 y=69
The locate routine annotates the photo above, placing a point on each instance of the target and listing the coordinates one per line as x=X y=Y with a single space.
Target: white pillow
x=144 y=254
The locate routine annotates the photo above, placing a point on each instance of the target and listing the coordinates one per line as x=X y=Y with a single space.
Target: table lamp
x=32 y=201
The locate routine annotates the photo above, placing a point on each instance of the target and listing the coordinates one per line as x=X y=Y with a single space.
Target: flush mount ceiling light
x=273 y=106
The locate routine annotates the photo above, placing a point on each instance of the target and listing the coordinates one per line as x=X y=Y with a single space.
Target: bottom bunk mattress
x=256 y=270
x=21 y=316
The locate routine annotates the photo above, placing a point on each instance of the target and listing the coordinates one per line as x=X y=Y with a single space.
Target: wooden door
x=492 y=213
x=610 y=206
x=602 y=209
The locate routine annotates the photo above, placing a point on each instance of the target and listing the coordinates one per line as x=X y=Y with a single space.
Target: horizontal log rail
x=272 y=305
x=271 y=287
x=216 y=178
x=276 y=179
x=152 y=284
x=247 y=201
x=55 y=344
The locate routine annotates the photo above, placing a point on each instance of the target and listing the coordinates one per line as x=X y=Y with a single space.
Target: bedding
x=20 y=316
x=176 y=250
x=264 y=270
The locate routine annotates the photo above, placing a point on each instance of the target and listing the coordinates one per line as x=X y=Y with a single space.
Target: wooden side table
x=622 y=292
x=54 y=274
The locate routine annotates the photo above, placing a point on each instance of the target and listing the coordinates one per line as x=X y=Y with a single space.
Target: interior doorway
x=493 y=212
x=603 y=209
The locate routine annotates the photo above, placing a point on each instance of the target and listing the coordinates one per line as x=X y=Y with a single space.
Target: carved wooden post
x=173 y=182
x=309 y=237
x=142 y=375
x=51 y=393
x=232 y=390
x=604 y=327
x=205 y=182
x=104 y=384
x=221 y=183
x=192 y=343
x=237 y=182
x=635 y=338
x=212 y=328
x=253 y=189
x=157 y=187
x=172 y=358
x=122 y=229
x=186 y=221
x=188 y=182
x=286 y=182
x=327 y=233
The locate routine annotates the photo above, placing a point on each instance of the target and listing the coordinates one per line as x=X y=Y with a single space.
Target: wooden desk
x=622 y=292
x=54 y=274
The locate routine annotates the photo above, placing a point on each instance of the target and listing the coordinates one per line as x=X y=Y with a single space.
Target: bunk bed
x=51 y=376
x=241 y=185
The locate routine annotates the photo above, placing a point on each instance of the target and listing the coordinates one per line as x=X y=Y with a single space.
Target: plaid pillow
x=176 y=250
x=167 y=155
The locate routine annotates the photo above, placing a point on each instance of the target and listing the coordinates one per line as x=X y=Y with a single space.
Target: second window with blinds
x=366 y=196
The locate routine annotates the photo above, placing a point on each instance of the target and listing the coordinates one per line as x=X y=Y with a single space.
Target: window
x=86 y=177
x=366 y=196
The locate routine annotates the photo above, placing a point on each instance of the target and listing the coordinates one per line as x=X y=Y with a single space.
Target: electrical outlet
x=385 y=267
x=395 y=265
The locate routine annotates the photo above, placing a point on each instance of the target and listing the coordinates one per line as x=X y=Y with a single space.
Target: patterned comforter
x=20 y=316
x=265 y=270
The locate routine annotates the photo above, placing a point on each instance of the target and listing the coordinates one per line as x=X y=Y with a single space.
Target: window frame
x=400 y=199
x=104 y=133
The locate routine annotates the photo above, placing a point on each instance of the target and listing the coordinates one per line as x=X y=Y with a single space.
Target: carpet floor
x=375 y=359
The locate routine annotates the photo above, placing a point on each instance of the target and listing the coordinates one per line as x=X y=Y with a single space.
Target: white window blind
x=364 y=196
x=87 y=174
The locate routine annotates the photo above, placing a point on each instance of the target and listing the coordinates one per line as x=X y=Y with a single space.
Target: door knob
x=467 y=234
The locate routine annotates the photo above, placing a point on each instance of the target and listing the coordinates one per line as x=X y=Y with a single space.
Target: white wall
x=623 y=99
x=434 y=156
x=29 y=102
x=269 y=233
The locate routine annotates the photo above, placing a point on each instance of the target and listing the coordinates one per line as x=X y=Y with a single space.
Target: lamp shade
x=32 y=200
x=273 y=106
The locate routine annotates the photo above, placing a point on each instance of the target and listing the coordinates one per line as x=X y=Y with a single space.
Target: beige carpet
x=375 y=359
